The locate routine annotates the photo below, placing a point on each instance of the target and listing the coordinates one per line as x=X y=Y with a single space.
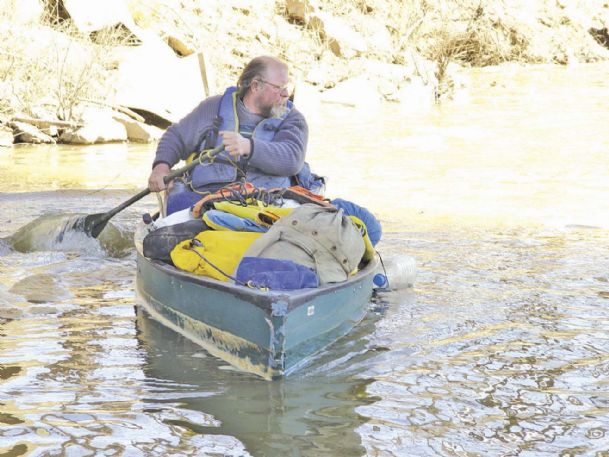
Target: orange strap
x=224 y=193
x=302 y=195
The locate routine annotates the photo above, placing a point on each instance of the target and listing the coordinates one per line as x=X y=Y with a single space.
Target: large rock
x=153 y=79
x=416 y=95
x=300 y=10
x=387 y=76
x=306 y=99
x=26 y=133
x=342 y=39
x=327 y=70
x=357 y=92
x=99 y=127
x=138 y=131
x=106 y=132
x=23 y=12
x=379 y=41
x=179 y=45
x=93 y=15
x=381 y=69
x=601 y=35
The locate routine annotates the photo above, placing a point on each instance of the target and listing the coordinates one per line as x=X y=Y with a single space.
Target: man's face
x=272 y=91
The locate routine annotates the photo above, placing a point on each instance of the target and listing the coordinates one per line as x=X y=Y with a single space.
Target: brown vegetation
x=48 y=67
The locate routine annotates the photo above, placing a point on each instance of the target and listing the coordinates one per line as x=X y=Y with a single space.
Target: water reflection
x=49 y=167
x=505 y=341
x=305 y=415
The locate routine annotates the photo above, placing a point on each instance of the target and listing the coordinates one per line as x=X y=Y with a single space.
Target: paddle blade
x=93 y=224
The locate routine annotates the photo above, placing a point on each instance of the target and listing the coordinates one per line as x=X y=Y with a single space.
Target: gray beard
x=279 y=110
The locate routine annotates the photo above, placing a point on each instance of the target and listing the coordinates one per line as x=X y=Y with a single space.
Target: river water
x=501 y=348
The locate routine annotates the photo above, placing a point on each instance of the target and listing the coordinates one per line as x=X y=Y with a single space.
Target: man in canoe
x=265 y=140
x=264 y=136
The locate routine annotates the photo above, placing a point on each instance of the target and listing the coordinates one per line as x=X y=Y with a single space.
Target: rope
x=194 y=242
x=384 y=269
x=242 y=196
x=205 y=159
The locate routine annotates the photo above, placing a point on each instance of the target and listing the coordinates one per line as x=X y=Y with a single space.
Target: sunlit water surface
x=501 y=348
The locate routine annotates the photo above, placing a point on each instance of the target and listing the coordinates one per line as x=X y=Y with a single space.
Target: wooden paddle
x=93 y=224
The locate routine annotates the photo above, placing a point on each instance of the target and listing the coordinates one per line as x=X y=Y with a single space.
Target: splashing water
x=58 y=232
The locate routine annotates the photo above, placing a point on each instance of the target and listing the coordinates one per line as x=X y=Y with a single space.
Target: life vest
x=223 y=168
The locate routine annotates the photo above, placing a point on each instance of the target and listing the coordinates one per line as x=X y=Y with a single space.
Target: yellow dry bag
x=213 y=254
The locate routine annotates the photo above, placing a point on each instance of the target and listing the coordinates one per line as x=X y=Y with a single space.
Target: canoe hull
x=267 y=333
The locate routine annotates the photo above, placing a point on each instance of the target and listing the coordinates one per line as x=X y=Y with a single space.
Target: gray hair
x=255 y=68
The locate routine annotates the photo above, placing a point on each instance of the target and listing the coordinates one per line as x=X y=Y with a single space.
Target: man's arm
x=285 y=154
x=181 y=139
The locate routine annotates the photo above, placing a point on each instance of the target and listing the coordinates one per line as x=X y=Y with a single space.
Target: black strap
x=210 y=136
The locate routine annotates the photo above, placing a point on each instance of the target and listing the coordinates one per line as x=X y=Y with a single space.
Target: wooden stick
x=204 y=73
x=120 y=109
x=44 y=123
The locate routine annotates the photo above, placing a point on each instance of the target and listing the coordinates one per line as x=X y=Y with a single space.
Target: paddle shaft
x=97 y=222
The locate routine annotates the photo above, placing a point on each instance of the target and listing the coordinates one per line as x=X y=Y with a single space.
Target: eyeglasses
x=287 y=88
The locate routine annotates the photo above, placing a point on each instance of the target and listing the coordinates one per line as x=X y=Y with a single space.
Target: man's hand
x=155 y=181
x=235 y=144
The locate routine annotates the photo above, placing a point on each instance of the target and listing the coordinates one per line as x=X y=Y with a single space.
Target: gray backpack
x=321 y=238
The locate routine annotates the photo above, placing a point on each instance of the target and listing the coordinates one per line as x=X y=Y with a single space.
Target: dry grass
x=51 y=66
x=466 y=34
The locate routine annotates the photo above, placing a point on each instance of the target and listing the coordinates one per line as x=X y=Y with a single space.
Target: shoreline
x=83 y=77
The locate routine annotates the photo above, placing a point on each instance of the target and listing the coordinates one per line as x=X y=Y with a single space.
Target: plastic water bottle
x=400 y=272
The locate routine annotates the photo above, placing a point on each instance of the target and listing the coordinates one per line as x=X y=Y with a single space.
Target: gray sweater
x=283 y=156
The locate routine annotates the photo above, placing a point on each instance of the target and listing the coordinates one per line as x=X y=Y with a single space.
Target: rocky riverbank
x=123 y=70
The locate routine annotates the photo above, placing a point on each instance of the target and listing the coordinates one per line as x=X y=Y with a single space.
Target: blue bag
x=275 y=274
x=219 y=220
x=373 y=225
x=309 y=180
